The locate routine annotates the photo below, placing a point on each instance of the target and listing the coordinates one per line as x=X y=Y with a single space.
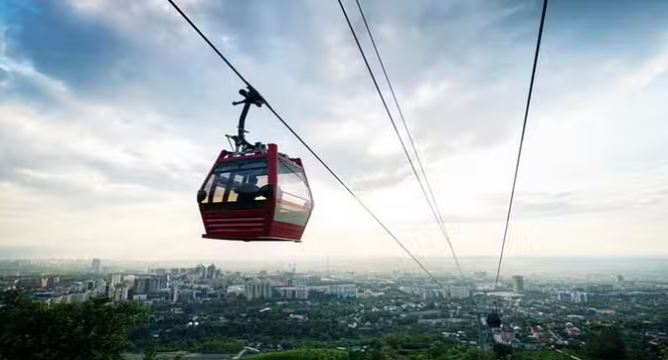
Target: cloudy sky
x=111 y=113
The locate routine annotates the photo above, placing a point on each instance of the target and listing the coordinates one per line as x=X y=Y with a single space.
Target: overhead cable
x=431 y=199
x=434 y=211
x=519 y=150
x=320 y=160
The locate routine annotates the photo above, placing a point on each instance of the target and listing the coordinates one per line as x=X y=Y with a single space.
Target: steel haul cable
x=519 y=151
x=322 y=162
x=435 y=213
x=427 y=192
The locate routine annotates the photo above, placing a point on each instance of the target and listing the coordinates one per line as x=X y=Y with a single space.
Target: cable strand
x=431 y=199
x=396 y=130
x=521 y=145
x=308 y=147
x=438 y=213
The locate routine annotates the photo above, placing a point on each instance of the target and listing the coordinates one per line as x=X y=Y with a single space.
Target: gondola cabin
x=493 y=320
x=257 y=196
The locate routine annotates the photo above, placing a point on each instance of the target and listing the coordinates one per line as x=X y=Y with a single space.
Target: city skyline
x=109 y=123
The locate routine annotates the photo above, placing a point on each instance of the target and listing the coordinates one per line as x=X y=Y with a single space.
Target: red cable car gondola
x=254 y=193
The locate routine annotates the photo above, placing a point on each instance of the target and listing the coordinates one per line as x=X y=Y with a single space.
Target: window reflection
x=240 y=183
x=293 y=203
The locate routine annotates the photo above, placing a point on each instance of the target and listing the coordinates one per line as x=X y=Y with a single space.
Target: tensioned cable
x=439 y=218
x=435 y=209
x=524 y=128
x=324 y=164
x=396 y=130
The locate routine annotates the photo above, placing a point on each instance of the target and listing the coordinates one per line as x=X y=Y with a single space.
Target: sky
x=112 y=112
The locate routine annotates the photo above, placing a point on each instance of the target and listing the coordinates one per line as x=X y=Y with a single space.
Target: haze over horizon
x=111 y=114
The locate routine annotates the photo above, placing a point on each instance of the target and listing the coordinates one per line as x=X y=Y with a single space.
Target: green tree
x=606 y=344
x=151 y=352
x=437 y=349
x=305 y=354
x=94 y=330
x=502 y=351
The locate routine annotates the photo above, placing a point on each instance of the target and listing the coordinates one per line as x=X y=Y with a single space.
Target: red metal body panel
x=281 y=230
x=250 y=224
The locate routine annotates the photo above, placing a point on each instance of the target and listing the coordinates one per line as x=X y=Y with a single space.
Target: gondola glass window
x=293 y=204
x=230 y=180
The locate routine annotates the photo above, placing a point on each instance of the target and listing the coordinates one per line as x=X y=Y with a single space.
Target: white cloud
x=118 y=178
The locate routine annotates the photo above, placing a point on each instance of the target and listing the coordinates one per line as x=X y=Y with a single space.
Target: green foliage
x=213 y=345
x=151 y=353
x=606 y=344
x=502 y=351
x=94 y=330
x=305 y=354
x=437 y=349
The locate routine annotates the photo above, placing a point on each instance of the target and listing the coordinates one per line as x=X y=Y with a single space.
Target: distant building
x=174 y=293
x=235 y=290
x=79 y=297
x=141 y=285
x=96 y=266
x=162 y=281
x=52 y=281
x=579 y=297
x=149 y=284
x=257 y=289
x=605 y=288
x=210 y=272
x=459 y=292
x=518 y=283
x=200 y=271
x=32 y=283
x=121 y=293
x=100 y=286
x=620 y=279
x=77 y=287
x=342 y=290
x=304 y=292
x=186 y=295
x=563 y=295
x=115 y=280
x=293 y=292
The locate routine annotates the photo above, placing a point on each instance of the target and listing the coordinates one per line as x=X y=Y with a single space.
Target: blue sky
x=111 y=112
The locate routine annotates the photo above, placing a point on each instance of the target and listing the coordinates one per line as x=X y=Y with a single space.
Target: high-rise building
x=96 y=266
x=31 y=283
x=52 y=281
x=620 y=279
x=186 y=295
x=563 y=295
x=174 y=294
x=257 y=289
x=211 y=272
x=200 y=270
x=100 y=286
x=115 y=280
x=579 y=297
x=518 y=283
x=152 y=285
x=146 y=285
x=121 y=293
x=294 y=292
x=459 y=292
x=162 y=281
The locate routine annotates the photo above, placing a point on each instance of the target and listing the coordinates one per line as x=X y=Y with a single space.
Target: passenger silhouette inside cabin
x=248 y=191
